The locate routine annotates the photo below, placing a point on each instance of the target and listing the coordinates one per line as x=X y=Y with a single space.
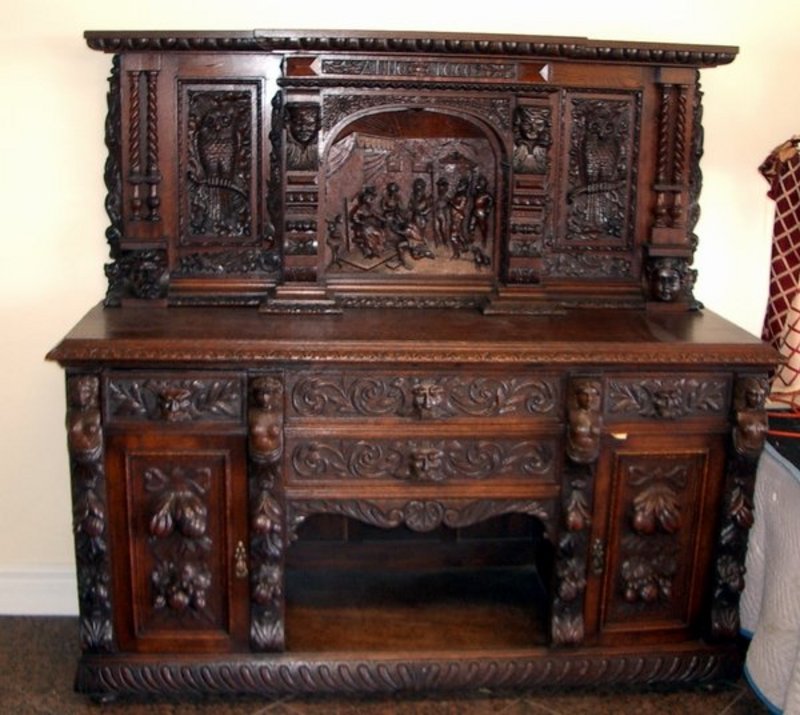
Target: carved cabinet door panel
x=178 y=529
x=657 y=507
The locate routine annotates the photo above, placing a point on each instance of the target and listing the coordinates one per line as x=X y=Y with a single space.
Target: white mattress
x=770 y=604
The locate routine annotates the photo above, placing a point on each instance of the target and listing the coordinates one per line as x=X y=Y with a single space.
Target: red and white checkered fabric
x=782 y=320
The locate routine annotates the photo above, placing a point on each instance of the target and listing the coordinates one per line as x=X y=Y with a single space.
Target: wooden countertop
x=133 y=335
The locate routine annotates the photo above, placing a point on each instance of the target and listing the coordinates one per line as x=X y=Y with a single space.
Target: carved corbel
x=750 y=416
x=670 y=279
x=584 y=420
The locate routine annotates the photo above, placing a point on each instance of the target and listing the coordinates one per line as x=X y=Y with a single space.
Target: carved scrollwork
x=89 y=512
x=418 y=515
x=435 y=460
x=667 y=398
x=138 y=274
x=174 y=400
x=241 y=262
x=422 y=397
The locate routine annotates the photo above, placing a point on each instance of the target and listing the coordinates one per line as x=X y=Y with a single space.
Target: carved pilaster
x=267 y=523
x=748 y=435
x=669 y=274
x=567 y=626
x=584 y=425
x=90 y=520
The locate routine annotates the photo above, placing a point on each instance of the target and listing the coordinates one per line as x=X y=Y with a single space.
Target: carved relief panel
x=410 y=193
x=219 y=146
x=180 y=495
x=595 y=237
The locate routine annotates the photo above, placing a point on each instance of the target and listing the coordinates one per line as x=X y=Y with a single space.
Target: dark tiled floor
x=37 y=664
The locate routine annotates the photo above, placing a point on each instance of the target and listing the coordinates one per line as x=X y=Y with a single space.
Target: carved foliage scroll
x=90 y=512
x=219 y=149
x=417 y=515
x=267 y=518
x=428 y=460
x=667 y=398
x=422 y=397
x=174 y=400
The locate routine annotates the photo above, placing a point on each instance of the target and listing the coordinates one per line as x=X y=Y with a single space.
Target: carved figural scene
x=411 y=192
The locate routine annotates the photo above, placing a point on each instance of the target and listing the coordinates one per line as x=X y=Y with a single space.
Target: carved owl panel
x=218 y=163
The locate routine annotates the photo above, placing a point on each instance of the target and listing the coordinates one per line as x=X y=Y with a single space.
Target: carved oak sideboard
x=400 y=382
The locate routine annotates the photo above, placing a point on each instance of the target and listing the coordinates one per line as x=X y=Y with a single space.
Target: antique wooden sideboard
x=400 y=382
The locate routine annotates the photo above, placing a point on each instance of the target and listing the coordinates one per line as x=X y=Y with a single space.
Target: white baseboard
x=46 y=591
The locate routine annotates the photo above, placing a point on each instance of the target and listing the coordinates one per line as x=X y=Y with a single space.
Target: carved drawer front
x=174 y=399
x=666 y=397
x=418 y=396
x=420 y=460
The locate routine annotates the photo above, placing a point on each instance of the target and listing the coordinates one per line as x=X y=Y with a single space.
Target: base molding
x=50 y=591
x=370 y=674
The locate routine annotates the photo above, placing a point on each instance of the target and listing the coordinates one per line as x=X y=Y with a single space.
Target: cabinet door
x=178 y=528
x=657 y=506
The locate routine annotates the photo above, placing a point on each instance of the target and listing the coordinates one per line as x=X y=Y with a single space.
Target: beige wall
x=52 y=154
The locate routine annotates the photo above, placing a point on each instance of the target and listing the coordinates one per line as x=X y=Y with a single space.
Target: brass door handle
x=240 y=561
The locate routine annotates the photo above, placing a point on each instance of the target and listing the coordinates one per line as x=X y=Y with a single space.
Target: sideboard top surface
x=230 y=335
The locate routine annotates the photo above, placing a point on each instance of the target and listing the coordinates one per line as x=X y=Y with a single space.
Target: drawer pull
x=240 y=561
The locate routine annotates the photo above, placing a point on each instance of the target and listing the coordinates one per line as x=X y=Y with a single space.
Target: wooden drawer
x=185 y=398
x=666 y=397
x=354 y=395
x=420 y=460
